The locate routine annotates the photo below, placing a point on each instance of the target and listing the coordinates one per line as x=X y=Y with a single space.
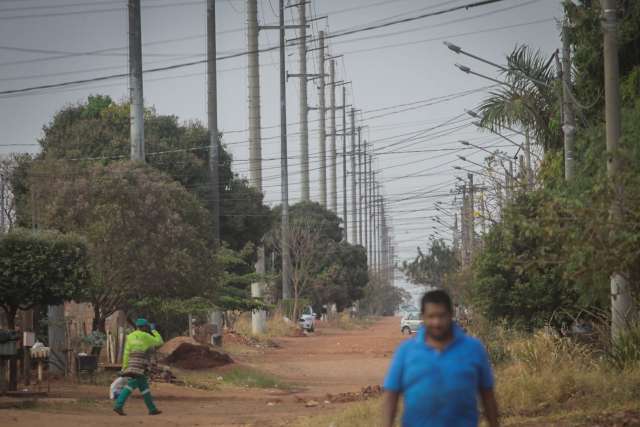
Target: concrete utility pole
x=323 y=134
x=253 y=59
x=456 y=241
x=527 y=157
x=374 y=223
x=569 y=118
x=215 y=316
x=212 y=116
x=304 y=106
x=354 y=212
x=370 y=211
x=333 y=181
x=471 y=213
x=284 y=174
x=464 y=255
x=344 y=162
x=364 y=209
x=621 y=298
x=258 y=317
x=136 y=112
x=360 y=224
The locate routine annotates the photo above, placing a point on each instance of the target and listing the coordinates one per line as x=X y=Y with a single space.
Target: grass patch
x=541 y=379
x=238 y=376
x=360 y=414
x=242 y=376
x=276 y=327
x=347 y=323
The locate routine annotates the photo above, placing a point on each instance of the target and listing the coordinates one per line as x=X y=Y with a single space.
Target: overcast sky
x=400 y=64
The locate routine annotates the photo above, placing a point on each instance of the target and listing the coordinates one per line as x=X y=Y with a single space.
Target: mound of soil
x=187 y=353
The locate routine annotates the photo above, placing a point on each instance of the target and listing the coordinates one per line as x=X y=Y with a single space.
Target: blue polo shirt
x=440 y=389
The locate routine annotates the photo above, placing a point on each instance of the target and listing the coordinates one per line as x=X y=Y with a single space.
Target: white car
x=307 y=320
x=410 y=323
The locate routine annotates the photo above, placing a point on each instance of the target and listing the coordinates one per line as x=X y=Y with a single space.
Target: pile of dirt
x=364 y=394
x=187 y=353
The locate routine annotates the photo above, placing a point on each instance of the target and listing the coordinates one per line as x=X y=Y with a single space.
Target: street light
x=468 y=144
x=468 y=70
x=460 y=51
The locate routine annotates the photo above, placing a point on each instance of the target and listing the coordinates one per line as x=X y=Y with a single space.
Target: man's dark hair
x=437 y=296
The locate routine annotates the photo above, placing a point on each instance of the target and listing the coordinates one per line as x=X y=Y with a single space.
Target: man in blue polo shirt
x=440 y=373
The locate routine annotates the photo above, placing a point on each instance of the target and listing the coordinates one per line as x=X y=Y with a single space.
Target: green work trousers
x=140 y=383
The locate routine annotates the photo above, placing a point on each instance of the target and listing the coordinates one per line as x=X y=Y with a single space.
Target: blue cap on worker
x=141 y=322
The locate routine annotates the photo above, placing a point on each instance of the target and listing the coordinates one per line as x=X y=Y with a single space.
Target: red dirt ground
x=331 y=362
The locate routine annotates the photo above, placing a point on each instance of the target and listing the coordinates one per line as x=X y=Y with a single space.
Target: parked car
x=307 y=320
x=410 y=323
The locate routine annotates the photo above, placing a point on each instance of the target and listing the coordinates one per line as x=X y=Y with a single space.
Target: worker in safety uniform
x=135 y=364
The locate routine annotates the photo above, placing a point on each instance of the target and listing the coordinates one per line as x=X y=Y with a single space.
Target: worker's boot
x=122 y=399
x=148 y=401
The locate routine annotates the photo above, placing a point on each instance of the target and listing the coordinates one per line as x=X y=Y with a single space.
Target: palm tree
x=528 y=100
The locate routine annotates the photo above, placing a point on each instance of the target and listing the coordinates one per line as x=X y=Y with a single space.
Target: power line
x=267 y=49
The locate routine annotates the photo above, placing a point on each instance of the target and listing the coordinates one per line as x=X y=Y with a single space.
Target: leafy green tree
x=40 y=268
x=99 y=129
x=529 y=99
x=343 y=278
x=432 y=268
x=144 y=231
x=329 y=270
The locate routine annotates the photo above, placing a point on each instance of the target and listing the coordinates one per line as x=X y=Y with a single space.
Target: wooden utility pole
x=621 y=298
x=136 y=112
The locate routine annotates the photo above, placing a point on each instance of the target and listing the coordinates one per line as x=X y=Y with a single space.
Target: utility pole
x=284 y=173
x=464 y=254
x=374 y=221
x=569 y=122
x=212 y=116
x=214 y=154
x=333 y=181
x=323 y=135
x=471 y=213
x=456 y=241
x=304 y=106
x=284 y=164
x=136 y=112
x=258 y=317
x=621 y=298
x=344 y=161
x=364 y=198
x=253 y=59
x=354 y=213
x=360 y=224
x=527 y=156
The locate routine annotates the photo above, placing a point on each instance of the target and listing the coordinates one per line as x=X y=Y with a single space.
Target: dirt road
x=333 y=361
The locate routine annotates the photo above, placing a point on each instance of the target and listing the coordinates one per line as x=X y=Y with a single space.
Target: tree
x=99 y=129
x=344 y=278
x=528 y=100
x=40 y=268
x=304 y=245
x=381 y=298
x=431 y=269
x=144 y=231
x=336 y=270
